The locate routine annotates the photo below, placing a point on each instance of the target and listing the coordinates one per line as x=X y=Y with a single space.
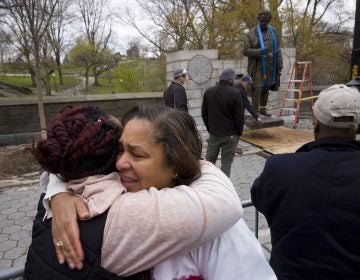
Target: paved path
x=18 y=207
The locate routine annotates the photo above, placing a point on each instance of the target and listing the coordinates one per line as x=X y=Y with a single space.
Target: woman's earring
x=175 y=176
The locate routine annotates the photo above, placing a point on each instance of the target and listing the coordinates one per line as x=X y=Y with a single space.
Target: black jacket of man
x=223 y=110
x=311 y=200
x=175 y=96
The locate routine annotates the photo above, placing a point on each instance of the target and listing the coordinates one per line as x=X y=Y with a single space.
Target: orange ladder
x=298 y=85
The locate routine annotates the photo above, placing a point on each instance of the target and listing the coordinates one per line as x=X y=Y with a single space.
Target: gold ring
x=59 y=244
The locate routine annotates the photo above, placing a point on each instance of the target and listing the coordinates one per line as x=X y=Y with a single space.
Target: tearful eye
x=136 y=155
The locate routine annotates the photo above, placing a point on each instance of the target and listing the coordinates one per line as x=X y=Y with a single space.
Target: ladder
x=300 y=80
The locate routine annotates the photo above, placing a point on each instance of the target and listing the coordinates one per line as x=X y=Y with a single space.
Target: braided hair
x=81 y=141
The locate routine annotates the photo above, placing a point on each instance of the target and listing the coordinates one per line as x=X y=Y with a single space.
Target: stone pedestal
x=266 y=122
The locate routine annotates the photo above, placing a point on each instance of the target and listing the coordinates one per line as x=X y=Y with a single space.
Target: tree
x=14 y=29
x=34 y=17
x=97 y=24
x=105 y=61
x=56 y=32
x=47 y=68
x=140 y=75
x=83 y=55
x=196 y=24
x=133 y=50
x=325 y=43
x=205 y=24
x=4 y=48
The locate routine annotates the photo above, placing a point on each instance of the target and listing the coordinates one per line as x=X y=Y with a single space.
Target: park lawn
x=103 y=89
x=106 y=87
x=20 y=81
x=25 y=81
x=69 y=82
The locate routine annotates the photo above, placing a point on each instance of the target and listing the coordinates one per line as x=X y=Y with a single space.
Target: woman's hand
x=66 y=209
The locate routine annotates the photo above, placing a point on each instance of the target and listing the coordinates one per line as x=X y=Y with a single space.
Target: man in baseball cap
x=180 y=72
x=338 y=107
x=243 y=85
x=175 y=94
x=310 y=198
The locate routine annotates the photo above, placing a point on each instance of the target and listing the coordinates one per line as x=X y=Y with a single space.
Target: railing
x=11 y=273
x=249 y=203
x=17 y=271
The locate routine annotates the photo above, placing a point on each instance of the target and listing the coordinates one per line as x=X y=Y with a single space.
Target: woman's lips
x=128 y=182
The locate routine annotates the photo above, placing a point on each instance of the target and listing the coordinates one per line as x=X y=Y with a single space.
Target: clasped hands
x=268 y=53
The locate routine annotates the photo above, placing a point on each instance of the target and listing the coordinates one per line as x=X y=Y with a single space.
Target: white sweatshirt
x=236 y=254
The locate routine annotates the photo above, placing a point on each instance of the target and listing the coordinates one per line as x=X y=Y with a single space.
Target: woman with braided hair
x=81 y=141
x=128 y=231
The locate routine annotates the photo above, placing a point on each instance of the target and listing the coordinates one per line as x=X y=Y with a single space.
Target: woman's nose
x=122 y=162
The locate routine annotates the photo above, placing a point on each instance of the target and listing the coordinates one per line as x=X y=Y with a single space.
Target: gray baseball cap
x=179 y=72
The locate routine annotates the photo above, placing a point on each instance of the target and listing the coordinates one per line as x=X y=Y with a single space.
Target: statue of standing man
x=262 y=48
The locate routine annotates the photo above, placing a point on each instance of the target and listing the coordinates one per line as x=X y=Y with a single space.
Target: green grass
x=118 y=86
x=106 y=87
x=20 y=81
x=25 y=81
x=69 y=82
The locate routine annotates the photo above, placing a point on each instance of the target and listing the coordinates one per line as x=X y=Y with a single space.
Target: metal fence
x=17 y=271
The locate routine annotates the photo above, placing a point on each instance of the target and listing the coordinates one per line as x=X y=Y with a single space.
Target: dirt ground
x=16 y=161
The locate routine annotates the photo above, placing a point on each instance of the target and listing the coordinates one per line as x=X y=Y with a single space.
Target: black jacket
x=223 y=110
x=175 y=96
x=311 y=200
x=42 y=264
x=246 y=101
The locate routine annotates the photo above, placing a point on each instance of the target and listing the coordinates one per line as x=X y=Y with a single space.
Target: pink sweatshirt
x=146 y=227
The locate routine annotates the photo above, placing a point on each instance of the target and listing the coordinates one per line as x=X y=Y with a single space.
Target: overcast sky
x=125 y=33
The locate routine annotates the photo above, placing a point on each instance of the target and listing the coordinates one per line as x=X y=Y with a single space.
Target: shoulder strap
x=274 y=55
x=262 y=46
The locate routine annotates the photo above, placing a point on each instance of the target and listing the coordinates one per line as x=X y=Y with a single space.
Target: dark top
x=223 y=110
x=311 y=200
x=42 y=264
x=175 y=96
x=246 y=101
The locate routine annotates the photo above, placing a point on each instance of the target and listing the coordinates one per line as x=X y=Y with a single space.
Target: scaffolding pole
x=355 y=54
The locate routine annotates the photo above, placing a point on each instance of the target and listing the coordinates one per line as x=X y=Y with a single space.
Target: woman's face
x=141 y=163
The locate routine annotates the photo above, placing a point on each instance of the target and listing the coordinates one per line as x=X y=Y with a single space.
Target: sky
x=123 y=32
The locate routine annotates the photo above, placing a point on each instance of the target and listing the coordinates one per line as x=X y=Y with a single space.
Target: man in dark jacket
x=175 y=94
x=311 y=198
x=262 y=48
x=242 y=86
x=223 y=115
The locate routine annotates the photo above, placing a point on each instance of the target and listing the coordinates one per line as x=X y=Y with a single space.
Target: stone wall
x=19 y=118
x=195 y=91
